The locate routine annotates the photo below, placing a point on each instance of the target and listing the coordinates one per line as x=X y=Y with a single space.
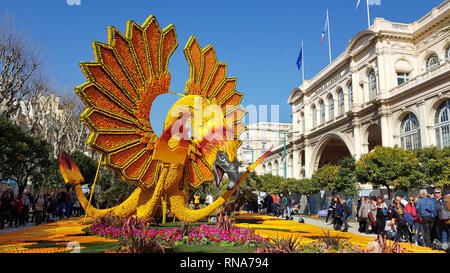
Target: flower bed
x=202 y=235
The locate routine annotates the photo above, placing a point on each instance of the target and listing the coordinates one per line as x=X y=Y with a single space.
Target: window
x=442 y=125
x=409 y=132
x=402 y=77
x=447 y=53
x=341 y=102
x=314 y=116
x=432 y=62
x=322 y=112
x=372 y=85
x=350 y=95
x=331 y=108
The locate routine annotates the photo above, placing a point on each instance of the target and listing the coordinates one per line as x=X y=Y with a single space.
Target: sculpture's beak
x=222 y=166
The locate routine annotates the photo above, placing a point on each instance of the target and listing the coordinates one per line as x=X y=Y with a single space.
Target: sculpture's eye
x=222 y=157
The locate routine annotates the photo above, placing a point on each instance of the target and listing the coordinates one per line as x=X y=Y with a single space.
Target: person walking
x=288 y=207
x=268 y=200
x=417 y=227
x=330 y=210
x=373 y=213
x=275 y=205
x=338 y=213
x=381 y=219
x=39 y=209
x=347 y=212
x=282 y=202
x=402 y=228
x=426 y=210
x=363 y=214
x=26 y=204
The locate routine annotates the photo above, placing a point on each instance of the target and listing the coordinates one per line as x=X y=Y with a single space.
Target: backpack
x=408 y=218
x=442 y=210
x=339 y=211
x=347 y=209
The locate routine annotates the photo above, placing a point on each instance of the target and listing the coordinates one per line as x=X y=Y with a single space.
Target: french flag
x=324 y=30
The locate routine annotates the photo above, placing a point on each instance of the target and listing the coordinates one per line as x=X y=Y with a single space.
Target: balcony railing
x=427 y=75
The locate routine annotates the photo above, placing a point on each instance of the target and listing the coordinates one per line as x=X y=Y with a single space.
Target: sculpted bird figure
x=128 y=74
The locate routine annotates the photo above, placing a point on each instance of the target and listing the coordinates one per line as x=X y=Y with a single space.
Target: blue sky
x=259 y=40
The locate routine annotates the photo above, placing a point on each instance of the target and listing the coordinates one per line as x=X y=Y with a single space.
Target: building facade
x=258 y=138
x=391 y=86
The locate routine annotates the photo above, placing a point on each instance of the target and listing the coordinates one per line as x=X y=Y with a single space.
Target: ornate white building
x=391 y=86
x=258 y=138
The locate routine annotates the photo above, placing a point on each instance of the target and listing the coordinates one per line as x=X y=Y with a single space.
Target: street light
x=253 y=150
x=284 y=133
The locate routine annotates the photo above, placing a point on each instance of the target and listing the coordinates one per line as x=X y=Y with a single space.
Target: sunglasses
x=437 y=192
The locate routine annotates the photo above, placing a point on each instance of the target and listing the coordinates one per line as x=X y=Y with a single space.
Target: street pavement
x=321 y=222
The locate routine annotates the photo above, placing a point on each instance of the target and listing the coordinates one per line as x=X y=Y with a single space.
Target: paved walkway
x=321 y=222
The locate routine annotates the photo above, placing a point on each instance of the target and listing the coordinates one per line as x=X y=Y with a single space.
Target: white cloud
x=73 y=2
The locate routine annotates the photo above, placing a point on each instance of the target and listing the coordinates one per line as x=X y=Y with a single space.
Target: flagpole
x=368 y=13
x=329 y=40
x=303 y=64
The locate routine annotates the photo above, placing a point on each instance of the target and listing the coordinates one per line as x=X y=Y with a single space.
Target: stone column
x=425 y=139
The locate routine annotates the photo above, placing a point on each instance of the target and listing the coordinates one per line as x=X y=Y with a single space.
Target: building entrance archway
x=373 y=136
x=333 y=150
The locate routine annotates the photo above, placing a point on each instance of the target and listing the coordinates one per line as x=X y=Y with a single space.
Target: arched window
x=264 y=169
x=341 y=102
x=409 y=132
x=277 y=169
x=314 y=116
x=432 y=62
x=372 y=85
x=331 y=108
x=322 y=112
x=350 y=95
x=447 y=53
x=442 y=124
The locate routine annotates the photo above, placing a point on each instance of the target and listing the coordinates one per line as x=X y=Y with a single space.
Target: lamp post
x=284 y=133
x=253 y=150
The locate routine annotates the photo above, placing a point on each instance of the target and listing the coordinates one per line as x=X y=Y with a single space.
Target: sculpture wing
x=208 y=78
x=128 y=74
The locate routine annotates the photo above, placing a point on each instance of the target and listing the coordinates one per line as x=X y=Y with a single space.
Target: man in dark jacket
x=268 y=200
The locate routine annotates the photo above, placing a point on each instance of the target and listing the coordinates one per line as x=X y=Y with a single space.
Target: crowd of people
x=279 y=205
x=423 y=220
x=20 y=209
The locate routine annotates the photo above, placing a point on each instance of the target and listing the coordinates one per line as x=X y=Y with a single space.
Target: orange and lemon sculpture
x=128 y=74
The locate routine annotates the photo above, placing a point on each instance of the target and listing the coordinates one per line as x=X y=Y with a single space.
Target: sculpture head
x=212 y=136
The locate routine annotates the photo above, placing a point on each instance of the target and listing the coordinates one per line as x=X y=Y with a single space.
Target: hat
x=447 y=192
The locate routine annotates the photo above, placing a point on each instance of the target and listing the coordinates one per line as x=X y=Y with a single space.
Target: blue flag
x=299 y=59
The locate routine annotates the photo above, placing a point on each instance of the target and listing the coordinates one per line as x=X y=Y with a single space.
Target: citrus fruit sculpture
x=128 y=74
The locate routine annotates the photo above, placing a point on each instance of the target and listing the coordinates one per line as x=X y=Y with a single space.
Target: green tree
x=394 y=168
x=434 y=166
x=22 y=156
x=325 y=178
x=271 y=183
x=346 y=176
